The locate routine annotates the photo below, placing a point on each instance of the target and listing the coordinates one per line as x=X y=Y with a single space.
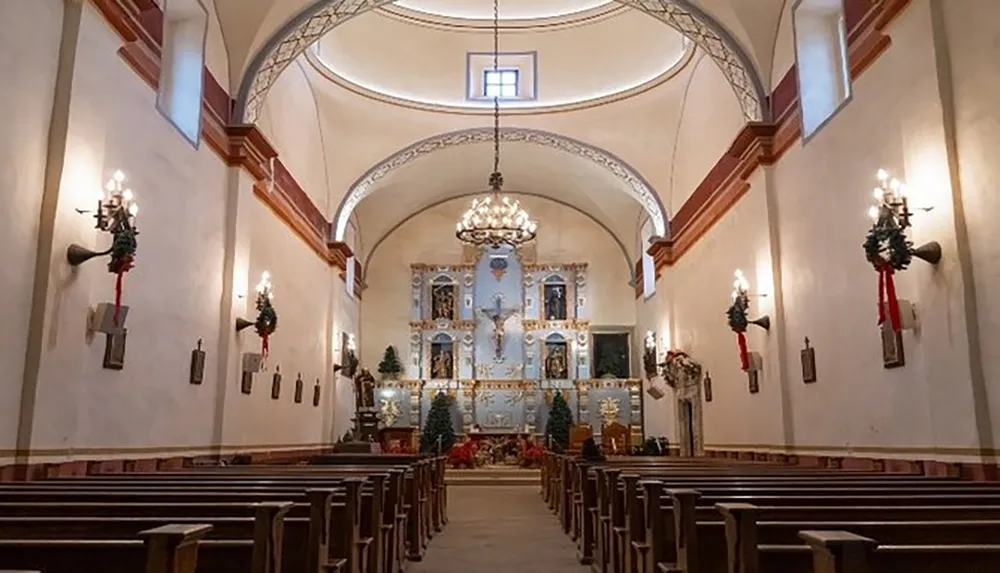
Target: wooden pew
x=746 y=534
x=845 y=552
x=338 y=524
x=170 y=548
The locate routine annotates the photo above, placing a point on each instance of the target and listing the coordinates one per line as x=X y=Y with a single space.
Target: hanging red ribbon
x=741 y=339
x=123 y=268
x=887 y=293
x=263 y=345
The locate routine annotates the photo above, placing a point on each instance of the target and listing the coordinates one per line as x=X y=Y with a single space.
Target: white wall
x=29 y=51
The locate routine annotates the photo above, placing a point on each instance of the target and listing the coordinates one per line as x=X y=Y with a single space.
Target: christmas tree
x=390 y=366
x=559 y=422
x=438 y=429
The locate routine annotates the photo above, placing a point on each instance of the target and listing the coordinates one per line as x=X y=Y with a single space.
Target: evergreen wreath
x=267 y=320
x=738 y=322
x=123 y=248
x=737 y=313
x=888 y=250
x=680 y=365
x=886 y=243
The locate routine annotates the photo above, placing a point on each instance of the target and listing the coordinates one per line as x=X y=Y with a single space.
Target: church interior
x=707 y=232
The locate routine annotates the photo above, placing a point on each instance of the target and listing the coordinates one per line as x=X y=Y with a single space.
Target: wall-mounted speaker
x=252 y=362
x=102 y=318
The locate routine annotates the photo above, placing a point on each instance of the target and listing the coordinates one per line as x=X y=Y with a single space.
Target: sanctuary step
x=493 y=475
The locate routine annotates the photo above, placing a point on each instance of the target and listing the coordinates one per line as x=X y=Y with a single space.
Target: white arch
x=638 y=187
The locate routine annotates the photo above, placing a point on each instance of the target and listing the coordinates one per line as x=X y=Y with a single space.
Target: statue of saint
x=441 y=364
x=364 y=389
x=443 y=302
x=555 y=363
x=555 y=302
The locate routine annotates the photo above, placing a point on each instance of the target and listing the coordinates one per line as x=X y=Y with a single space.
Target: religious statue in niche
x=498 y=315
x=443 y=302
x=364 y=390
x=442 y=358
x=555 y=298
x=556 y=360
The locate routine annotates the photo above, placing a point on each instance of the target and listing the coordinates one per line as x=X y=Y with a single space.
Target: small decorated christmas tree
x=559 y=422
x=438 y=430
x=390 y=367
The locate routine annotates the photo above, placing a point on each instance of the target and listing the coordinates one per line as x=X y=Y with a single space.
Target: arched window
x=185 y=26
x=820 y=60
x=648 y=264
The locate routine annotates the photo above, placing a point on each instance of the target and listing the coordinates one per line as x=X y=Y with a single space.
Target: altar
x=501 y=335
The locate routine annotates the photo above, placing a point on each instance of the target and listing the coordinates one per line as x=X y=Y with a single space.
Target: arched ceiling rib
x=547 y=150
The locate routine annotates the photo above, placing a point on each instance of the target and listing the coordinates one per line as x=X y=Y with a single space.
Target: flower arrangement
x=679 y=366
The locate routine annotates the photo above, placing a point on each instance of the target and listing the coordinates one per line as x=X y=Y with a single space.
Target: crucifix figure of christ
x=498 y=315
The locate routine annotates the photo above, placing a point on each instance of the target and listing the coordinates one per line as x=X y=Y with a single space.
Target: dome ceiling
x=509 y=9
x=564 y=68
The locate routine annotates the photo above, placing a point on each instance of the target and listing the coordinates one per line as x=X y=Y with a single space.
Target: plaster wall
x=29 y=51
x=971 y=47
x=298 y=347
x=174 y=290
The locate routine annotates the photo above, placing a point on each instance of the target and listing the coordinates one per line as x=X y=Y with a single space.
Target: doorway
x=690 y=441
x=687 y=421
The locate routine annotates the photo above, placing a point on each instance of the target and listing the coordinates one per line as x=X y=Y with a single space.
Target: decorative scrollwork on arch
x=637 y=186
x=292 y=39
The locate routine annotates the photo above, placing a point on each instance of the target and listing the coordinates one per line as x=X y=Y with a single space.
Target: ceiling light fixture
x=496 y=219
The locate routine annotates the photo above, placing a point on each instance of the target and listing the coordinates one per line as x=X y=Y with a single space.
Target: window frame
x=844 y=48
x=501 y=72
x=196 y=141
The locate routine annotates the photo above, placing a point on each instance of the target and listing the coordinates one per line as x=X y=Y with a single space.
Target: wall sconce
x=115 y=214
x=738 y=319
x=267 y=319
x=887 y=247
x=892 y=208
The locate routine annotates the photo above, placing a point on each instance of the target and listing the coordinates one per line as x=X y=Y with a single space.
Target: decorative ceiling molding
x=292 y=39
x=637 y=186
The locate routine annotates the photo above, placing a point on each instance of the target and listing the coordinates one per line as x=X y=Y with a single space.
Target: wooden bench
x=173 y=547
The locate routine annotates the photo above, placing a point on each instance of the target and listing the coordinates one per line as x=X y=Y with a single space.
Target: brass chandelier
x=496 y=219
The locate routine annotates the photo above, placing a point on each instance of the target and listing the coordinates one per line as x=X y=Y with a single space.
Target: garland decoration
x=267 y=318
x=123 y=249
x=738 y=322
x=888 y=250
x=680 y=366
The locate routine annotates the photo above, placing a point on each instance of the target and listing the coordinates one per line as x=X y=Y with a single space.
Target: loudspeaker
x=102 y=319
x=756 y=362
x=907 y=315
x=654 y=392
x=252 y=362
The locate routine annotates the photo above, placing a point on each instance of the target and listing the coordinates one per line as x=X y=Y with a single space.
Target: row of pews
x=699 y=515
x=340 y=513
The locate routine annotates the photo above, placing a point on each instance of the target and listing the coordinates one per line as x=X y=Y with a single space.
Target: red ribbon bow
x=741 y=339
x=887 y=291
x=123 y=267
x=263 y=345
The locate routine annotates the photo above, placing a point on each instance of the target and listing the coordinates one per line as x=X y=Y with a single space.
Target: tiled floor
x=499 y=529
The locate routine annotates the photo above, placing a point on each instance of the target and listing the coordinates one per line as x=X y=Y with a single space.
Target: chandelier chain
x=496 y=96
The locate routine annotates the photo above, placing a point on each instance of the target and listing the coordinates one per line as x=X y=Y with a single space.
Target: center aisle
x=499 y=529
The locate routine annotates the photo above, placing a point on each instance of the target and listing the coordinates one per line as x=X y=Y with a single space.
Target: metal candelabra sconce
x=115 y=214
x=892 y=209
x=887 y=247
x=738 y=319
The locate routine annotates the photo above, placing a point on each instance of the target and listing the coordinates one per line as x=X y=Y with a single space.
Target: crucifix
x=499 y=316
